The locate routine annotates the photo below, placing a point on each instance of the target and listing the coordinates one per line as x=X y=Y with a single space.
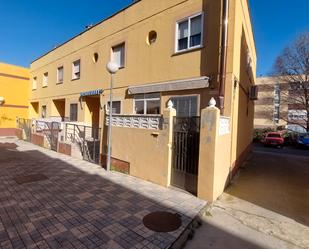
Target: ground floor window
x=116 y=107
x=43 y=111
x=186 y=106
x=73 y=112
x=147 y=104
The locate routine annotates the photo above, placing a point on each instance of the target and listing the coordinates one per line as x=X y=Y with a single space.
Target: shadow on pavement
x=78 y=209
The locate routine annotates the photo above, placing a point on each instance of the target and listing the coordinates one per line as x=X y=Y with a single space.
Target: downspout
x=223 y=54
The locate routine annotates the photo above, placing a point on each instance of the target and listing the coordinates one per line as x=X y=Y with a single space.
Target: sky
x=31 y=28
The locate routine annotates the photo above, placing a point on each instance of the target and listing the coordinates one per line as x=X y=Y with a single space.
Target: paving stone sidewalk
x=80 y=205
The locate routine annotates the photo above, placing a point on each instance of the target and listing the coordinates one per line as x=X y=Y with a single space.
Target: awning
x=187 y=84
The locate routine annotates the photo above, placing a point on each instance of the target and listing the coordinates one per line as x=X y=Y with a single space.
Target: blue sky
x=31 y=28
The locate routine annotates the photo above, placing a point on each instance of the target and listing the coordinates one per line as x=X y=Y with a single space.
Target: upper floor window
x=60 y=74
x=189 y=33
x=118 y=55
x=147 y=103
x=76 y=70
x=34 y=83
x=45 y=79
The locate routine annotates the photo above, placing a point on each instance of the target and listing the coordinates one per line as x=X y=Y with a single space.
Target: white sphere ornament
x=170 y=104
x=212 y=102
x=112 y=67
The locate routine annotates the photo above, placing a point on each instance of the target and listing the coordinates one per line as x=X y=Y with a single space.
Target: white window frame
x=115 y=100
x=58 y=80
x=34 y=83
x=76 y=75
x=198 y=98
x=45 y=80
x=189 y=32
x=144 y=99
x=124 y=53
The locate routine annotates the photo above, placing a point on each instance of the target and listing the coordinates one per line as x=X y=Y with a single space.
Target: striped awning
x=176 y=85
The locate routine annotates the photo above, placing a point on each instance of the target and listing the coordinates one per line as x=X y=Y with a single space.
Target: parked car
x=273 y=139
x=303 y=140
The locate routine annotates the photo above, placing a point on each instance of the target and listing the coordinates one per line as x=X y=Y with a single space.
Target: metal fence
x=87 y=138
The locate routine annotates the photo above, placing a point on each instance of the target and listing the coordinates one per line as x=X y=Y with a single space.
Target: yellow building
x=168 y=51
x=14 y=95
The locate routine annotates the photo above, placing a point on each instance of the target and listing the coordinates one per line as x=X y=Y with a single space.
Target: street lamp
x=112 y=68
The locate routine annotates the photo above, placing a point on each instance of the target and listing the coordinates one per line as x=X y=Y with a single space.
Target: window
x=45 y=79
x=34 y=83
x=116 y=107
x=73 y=112
x=147 y=104
x=76 y=70
x=118 y=55
x=189 y=33
x=43 y=111
x=60 y=74
x=186 y=106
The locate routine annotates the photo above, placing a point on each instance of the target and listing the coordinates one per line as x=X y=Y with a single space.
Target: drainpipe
x=223 y=54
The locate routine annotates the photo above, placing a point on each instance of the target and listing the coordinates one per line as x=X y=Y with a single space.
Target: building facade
x=14 y=95
x=277 y=105
x=171 y=52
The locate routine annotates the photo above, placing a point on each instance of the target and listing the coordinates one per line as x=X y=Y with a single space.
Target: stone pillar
x=210 y=118
x=168 y=115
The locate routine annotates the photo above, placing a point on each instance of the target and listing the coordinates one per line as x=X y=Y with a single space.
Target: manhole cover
x=162 y=221
x=30 y=178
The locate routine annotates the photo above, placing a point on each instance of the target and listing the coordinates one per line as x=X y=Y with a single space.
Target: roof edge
x=81 y=33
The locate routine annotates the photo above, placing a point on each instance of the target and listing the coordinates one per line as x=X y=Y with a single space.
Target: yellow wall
x=14 y=83
x=144 y=63
x=240 y=78
x=154 y=63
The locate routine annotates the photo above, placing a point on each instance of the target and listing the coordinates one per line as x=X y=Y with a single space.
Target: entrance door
x=186 y=141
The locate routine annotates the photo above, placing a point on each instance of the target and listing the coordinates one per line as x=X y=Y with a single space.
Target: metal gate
x=186 y=143
x=87 y=139
x=50 y=130
x=53 y=135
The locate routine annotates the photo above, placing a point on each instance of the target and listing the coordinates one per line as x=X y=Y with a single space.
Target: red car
x=274 y=139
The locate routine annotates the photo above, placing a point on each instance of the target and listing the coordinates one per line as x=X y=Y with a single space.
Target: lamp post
x=112 y=68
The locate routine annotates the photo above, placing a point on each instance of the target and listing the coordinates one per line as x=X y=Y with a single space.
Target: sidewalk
x=76 y=204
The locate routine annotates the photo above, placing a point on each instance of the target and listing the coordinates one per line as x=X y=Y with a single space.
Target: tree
x=292 y=68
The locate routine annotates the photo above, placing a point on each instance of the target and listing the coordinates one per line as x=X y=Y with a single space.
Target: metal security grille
x=25 y=125
x=186 y=142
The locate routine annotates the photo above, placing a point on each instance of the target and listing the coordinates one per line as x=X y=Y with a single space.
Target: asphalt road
x=287 y=150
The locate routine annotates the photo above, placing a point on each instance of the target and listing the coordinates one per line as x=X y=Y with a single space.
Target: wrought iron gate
x=87 y=139
x=50 y=130
x=186 y=143
x=54 y=134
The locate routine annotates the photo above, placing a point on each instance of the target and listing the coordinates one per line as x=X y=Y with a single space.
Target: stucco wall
x=14 y=82
x=145 y=150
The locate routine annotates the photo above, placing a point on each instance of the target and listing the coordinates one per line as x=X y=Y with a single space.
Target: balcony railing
x=136 y=121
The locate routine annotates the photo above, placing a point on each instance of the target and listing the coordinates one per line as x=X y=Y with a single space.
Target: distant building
x=273 y=109
x=14 y=95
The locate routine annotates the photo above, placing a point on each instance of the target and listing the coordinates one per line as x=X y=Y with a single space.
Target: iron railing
x=87 y=138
